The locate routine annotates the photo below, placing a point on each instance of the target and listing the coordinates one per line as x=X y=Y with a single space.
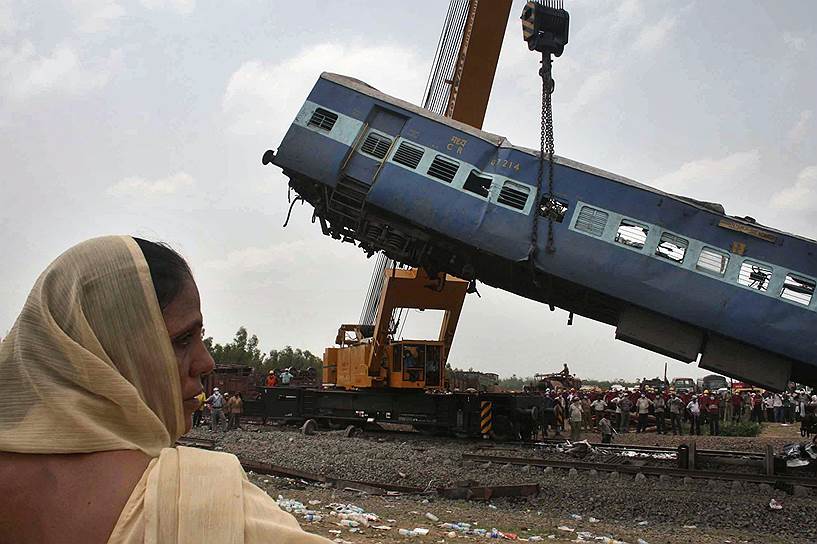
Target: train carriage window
x=553 y=208
x=514 y=195
x=797 y=289
x=755 y=275
x=443 y=169
x=479 y=185
x=408 y=155
x=591 y=221
x=631 y=234
x=712 y=261
x=323 y=119
x=672 y=247
x=376 y=145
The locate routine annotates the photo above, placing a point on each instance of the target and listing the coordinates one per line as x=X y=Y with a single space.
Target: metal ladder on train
x=346 y=206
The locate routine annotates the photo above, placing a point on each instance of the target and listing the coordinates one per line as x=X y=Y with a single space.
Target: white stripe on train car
x=347 y=129
x=692 y=255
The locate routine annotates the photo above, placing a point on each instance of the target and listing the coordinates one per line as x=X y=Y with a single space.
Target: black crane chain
x=546 y=148
x=548 y=145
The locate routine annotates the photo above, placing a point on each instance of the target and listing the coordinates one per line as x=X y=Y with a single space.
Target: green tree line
x=244 y=350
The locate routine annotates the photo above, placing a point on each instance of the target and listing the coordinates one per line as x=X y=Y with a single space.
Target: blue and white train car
x=672 y=274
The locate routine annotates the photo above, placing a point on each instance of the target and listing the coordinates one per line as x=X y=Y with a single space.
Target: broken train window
x=755 y=275
x=797 y=289
x=479 y=185
x=552 y=208
x=672 y=247
x=632 y=234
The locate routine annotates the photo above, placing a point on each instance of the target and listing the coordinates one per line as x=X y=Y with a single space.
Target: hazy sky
x=150 y=118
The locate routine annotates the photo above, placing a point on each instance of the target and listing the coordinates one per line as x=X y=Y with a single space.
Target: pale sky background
x=150 y=118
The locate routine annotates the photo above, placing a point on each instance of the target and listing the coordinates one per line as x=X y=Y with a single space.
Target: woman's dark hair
x=168 y=270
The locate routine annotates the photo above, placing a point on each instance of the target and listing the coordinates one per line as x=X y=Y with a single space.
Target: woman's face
x=184 y=324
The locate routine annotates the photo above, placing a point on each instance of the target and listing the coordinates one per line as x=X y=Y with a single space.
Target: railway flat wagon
x=672 y=274
x=501 y=416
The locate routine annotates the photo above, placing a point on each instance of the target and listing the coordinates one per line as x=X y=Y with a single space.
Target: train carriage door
x=373 y=145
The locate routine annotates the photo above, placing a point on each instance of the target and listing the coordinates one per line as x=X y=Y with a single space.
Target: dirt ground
x=516 y=519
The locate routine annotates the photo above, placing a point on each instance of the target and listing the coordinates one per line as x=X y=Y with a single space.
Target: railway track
x=644 y=469
x=614 y=463
x=553 y=443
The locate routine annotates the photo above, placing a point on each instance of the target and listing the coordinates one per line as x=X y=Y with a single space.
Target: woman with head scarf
x=98 y=378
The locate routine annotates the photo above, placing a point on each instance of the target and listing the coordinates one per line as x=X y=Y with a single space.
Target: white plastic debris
x=774 y=504
x=432 y=517
x=577 y=517
x=565 y=528
x=642 y=523
x=690 y=526
x=451 y=534
x=593 y=520
x=420 y=531
x=382 y=527
x=535 y=538
x=406 y=532
x=491 y=506
x=314 y=502
x=642 y=541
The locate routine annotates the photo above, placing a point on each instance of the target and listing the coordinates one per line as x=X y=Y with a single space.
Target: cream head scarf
x=88 y=365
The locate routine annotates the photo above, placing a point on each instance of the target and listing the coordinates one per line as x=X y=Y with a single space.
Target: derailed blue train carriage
x=672 y=274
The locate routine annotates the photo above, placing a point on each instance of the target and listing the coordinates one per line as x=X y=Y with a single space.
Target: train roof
x=501 y=141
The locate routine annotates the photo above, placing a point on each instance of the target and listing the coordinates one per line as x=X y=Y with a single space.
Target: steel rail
x=632 y=469
x=659 y=449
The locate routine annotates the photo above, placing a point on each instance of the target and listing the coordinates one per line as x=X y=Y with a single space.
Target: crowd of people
x=222 y=410
x=615 y=412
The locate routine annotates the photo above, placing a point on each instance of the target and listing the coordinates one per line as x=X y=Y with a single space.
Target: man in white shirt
x=695 y=415
x=643 y=406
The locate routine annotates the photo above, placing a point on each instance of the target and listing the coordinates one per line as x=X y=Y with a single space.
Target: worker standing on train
x=272 y=379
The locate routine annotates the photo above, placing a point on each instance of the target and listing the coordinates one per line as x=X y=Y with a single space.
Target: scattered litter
x=451 y=534
x=432 y=517
x=643 y=523
x=492 y=507
x=593 y=520
x=334 y=531
x=314 y=502
x=775 y=505
x=690 y=526
x=577 y=517
x=421 y=531
x=406 y=532
x=642 y=541
x=565 y=528
x=535 y=538
x=401 y=474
